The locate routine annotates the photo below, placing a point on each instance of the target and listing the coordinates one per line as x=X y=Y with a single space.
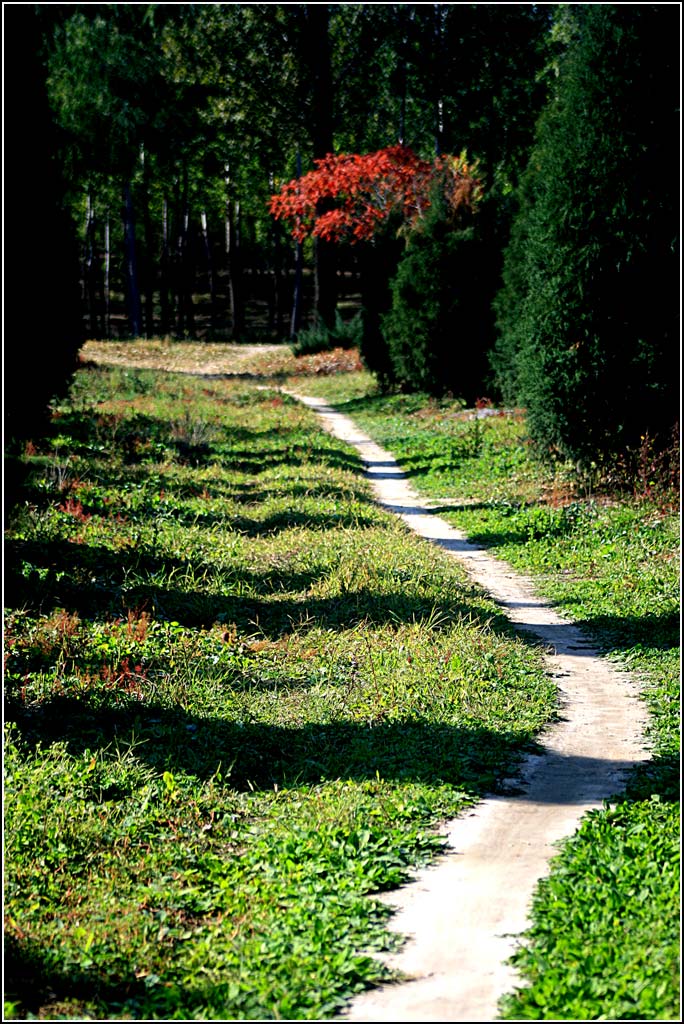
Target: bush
x=588 y=314
x=378 y=261
x=319 y=338
x=434 y=329
x=311 y=340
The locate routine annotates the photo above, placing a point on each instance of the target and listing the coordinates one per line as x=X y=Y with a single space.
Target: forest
x=168 y=133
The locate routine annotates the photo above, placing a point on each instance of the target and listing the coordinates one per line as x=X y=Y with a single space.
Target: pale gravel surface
x=226 y=359
x=462 y=914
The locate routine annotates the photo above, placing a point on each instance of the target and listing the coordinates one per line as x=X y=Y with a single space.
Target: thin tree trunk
x=149 y=271
x=187 y=265
x=438 y=62
x=105 y=283
x=276 y=292
x=178 y=276
x=406 y=12
x=296 y=318
x=132 y=289
x=84 y=253
x=89 y=266
x=278 y=298
x=234 y=270
x=210 y=268
x=325 y=253
x=164 y=283
x=228 y=238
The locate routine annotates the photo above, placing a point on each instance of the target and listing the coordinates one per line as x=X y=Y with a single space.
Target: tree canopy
x=367 y=189
x=191 y=133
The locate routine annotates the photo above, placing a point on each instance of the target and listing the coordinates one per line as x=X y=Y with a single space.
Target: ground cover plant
x=604 y=942
x=239 y=698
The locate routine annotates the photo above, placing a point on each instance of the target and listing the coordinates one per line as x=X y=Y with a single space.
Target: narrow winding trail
x=462 y=914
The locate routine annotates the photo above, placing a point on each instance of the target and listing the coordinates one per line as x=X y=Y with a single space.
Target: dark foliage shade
x=39 y=233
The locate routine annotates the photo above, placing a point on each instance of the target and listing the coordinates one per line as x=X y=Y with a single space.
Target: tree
x=370 y=197
x=367 y=189
x=432 y=77
x=194 y=109
x=433 y=330
x=102 y=87
x=42 y=338
x=588 y=317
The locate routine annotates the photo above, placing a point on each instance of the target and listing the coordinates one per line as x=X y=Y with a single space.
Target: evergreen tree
x=42 y=307
x=433 y=331
x=588 y=314
x=42 y=314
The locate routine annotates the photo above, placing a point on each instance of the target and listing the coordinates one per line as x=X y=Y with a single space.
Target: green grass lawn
x=605 y=939
x=239 y=699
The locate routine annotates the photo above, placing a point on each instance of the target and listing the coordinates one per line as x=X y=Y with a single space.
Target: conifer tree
x=588 y=314
x=433 y=329
x=42 y=308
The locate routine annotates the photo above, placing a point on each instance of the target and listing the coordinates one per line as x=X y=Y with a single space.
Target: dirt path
x=227 y=359
x=463 y=912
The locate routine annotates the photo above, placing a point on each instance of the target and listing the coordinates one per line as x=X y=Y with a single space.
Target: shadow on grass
x=96 y=582
x=254 y=755
x=618 y=633
x=257 y=460
x=41 y=984
x=197 y=443
x=661 y=776
x=278 y=522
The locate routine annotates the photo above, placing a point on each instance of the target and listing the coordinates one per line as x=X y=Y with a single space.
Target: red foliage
x=74 y=508
x=366 y=189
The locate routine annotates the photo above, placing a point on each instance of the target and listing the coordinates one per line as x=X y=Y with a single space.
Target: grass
x=604 y=943
x=240 y=699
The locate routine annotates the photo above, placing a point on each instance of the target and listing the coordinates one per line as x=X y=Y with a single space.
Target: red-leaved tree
x=366 y=189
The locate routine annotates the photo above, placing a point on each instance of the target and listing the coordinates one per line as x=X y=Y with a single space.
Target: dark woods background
x=142 y=143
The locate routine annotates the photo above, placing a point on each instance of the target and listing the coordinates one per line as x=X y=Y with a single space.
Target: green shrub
x=347 y=333
x=319 y=338
x=433 y=328
x=311 y=340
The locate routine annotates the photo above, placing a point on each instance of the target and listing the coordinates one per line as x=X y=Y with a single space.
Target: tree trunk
x=185 y=323
x=105 y=282
x=132 y=289
x=296 y=318
x=210 y=268
x=164 y=283
x=275 y=304
x=318 y=52
x=89 y=267
x=438 y=14
x=187 y=264
x=232 y=243
x=149 y=272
